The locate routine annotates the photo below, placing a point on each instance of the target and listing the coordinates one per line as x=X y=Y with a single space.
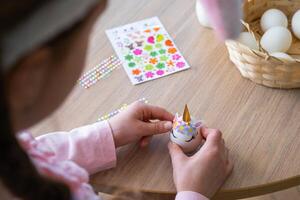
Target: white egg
x=273 y=17
x=201 y=15
x=296 y=24
x=281 y=55
x=276 y=39
x=247 y=39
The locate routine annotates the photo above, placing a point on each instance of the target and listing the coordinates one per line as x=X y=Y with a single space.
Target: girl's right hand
x=205 y=171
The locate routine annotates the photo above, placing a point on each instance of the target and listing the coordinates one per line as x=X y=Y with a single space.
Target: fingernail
x=168 y=125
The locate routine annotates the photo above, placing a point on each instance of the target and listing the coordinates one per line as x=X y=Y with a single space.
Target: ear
x=26 y=81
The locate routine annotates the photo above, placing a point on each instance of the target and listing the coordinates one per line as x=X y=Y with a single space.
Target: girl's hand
x=206 y=171
x=133 y=124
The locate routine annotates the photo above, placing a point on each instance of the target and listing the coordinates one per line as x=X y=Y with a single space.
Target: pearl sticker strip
x=102 y=70
x=123 y=107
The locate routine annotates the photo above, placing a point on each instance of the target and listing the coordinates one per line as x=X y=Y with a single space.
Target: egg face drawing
x=186 y=134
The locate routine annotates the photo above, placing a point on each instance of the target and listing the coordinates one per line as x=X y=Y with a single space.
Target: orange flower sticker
x=136 y=72
x=156 y=29
x=153 y=61
x=170 y=63
x=169 y=43
x=172 y=50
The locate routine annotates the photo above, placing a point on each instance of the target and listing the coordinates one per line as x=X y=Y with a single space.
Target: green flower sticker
x=164 y=58
x=159 y=38
x=128 y=57
x=148 y=48
x=162 y=51
x=160 y=65
x=149 y=67
x=138 y=59
x=131 y=64
x=153 y=53
x=158 y=46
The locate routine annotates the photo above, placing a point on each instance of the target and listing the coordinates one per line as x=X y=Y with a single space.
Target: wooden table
x=261 y=126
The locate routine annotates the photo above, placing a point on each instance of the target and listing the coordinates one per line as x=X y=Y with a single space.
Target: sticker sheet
x=146 y=50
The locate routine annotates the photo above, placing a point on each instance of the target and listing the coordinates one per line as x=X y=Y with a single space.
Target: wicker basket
x=259 y=66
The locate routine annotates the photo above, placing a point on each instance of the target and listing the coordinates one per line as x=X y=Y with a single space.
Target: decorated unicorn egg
x=185 y=132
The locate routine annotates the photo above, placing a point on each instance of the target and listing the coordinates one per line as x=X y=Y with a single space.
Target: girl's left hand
x=133 y=124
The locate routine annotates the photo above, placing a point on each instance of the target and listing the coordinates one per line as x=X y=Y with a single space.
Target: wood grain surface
x=261 y=126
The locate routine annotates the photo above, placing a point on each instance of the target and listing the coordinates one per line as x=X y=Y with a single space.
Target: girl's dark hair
x=17 y=172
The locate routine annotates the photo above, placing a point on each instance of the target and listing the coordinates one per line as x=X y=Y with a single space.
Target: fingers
x=158 y=127
x=208 y=132
x=159 y=113
x=145 y=141
x=153 y=112
x=212 y=136
x=176 y=153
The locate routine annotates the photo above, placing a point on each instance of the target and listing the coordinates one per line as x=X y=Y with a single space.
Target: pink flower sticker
x=160 y=72
x=180 y=64
x=149 y=74
x=151 y=40
x=137 y=52
x=176 y=57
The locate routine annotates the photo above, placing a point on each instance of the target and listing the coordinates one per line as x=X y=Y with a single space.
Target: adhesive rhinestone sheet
x=102 y=70
x=117 y=111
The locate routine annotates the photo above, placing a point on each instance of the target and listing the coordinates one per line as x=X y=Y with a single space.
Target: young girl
x=43 y=47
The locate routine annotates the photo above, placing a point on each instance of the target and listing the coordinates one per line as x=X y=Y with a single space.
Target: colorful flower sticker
x=176 y=57
x=160 y=72
x=159 y=38
x=172 y=50
x=128 y=57
x=160 y=65
x=136 y=72
x=158 y=46
x=156 y=29
x=162 y=51
x=149 y=67
x=170 y=63
x=148 y=48
x=153 y=61
x=169 y=43
x=163 y=58
x=138 y=59
x=153 y=53
x=131 y=64
x=180 y=64
x=150 y=40
x=149 y=75
x=137 y=52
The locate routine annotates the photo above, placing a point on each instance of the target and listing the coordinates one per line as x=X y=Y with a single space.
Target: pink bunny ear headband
x=225 y=17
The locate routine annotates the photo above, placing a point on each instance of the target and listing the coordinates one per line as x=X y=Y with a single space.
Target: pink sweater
x=71 y=156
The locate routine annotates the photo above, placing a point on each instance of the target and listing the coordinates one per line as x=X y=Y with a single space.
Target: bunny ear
x=225 y=16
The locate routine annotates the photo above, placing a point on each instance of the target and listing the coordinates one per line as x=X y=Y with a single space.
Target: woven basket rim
x=264 y=55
